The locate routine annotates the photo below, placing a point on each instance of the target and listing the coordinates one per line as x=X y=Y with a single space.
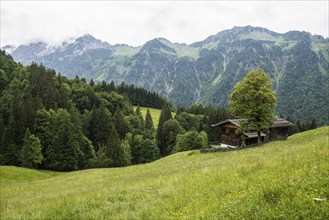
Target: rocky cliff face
x=205 y=71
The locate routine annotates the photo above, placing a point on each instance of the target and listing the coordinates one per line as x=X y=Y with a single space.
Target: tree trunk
x=259 y=141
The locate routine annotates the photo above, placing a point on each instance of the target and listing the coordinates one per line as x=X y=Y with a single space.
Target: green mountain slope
x=205 y=71
x=277 y=180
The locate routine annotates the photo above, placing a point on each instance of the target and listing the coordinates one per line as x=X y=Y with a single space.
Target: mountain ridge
x=204 y=71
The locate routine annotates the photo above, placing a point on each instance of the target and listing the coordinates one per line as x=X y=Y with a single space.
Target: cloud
x=136 y=22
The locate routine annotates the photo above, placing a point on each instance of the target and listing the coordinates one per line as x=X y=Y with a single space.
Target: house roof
x=253 y=134
x=279 y=122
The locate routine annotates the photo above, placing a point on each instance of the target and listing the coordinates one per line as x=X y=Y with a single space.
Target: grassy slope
x=155 y=113
x=278 y=180
x=14 y=174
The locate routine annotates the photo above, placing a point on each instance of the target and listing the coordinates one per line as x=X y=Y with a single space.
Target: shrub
x=190 y=141
x=148 y=151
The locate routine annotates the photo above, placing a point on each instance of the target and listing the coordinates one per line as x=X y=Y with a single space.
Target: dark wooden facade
x=230 y=135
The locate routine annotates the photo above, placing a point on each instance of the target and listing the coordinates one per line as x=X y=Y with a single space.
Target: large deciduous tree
x=254 y=100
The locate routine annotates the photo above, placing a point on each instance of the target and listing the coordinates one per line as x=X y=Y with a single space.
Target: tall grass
x=278 y=180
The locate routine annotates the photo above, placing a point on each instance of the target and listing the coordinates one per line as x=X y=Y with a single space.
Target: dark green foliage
x=99 y=127
x=148 y=151
x=114 y=150
x=148 y=121
x=12 y=113
x=171 y=129
x=149 y=127
x=2 y=127
x=189 y=122
x=85 y=149
x=43 y=128
x=215 y=116
x=300 y=127
x=134 y=142
x=31 y=154
x=121 y=123
x=62 y=153
x=9 y=154
x=7 y=66
x=190 y=141
x=165 y=115
x=61 y=114
x=140 y=96
x=138 y=112
x=136 y=123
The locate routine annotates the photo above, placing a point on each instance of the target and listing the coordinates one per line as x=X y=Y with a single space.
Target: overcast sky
x=135 y=22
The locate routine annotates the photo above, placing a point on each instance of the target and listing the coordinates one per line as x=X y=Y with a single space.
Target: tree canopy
x=254 y=100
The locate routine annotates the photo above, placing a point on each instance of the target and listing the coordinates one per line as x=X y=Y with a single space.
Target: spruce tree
x=9 y=152
x=31 y=154
x=85 y=148
x=111 y=87
x=140 y=115
x=43 y=128
x=62 y=153
x=121 y=124
x=99 y=127
x=148 y=121
x=113 y=150
x=149 y=127
x=165 y=115
x=134 y=141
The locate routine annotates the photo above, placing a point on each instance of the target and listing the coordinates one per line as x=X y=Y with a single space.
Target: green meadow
x=279 y=180
x=155 y=113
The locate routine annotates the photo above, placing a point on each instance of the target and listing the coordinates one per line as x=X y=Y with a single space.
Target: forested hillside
x=51 y=122
x=48 y=121
x=206 y=71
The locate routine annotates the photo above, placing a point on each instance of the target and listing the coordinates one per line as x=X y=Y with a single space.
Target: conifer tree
x=85 y=148
x=165 y=115
x=149 y=127
x=121 y=123
x=113 y=150
x=148 y=121
x=99 y=127
x=2 y=127
x=44 y=128
x=134 y=141
x=9 y=152
x=140 y=115
x=111 y=87
x=62 y=153
x=31 y=154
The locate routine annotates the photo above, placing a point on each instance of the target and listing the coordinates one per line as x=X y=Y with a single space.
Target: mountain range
x=202 y=72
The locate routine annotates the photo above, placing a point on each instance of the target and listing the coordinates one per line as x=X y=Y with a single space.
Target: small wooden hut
x=230 y=135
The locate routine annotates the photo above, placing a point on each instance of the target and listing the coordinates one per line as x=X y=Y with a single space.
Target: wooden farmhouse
x=230 y=135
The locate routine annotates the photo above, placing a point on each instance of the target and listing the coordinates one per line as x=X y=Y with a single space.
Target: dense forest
x=51 y=122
